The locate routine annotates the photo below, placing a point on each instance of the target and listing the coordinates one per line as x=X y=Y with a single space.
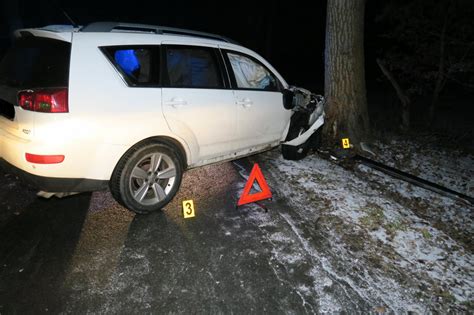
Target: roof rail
x=155 y=29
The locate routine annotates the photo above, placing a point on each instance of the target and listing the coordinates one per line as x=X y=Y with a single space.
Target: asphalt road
x=86 y=254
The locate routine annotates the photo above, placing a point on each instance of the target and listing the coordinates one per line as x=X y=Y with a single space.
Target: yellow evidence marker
x=188 y=209
x=345 y=143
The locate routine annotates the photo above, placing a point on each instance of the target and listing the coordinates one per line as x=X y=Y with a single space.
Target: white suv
x=131 y=107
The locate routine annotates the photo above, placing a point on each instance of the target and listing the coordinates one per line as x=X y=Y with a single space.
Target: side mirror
x=288 y=96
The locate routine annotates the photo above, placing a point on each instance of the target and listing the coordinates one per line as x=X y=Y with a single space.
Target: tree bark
x=344 y=80
x=401 y=95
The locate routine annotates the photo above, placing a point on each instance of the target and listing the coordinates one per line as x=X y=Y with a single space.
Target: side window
x=137 y=64
x=251 y=74
x=192 y=67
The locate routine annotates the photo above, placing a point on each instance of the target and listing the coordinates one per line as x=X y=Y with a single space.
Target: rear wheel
x=147 y=177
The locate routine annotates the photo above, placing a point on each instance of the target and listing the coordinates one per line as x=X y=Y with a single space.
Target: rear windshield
x=34 y=62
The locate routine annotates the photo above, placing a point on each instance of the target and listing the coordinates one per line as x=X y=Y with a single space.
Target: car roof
x=153 y=29
x=178 y=35
x=118 y=27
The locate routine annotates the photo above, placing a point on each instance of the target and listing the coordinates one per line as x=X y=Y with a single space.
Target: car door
x=261 y=117
x=197 y=102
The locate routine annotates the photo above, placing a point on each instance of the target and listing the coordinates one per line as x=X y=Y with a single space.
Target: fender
x=186 y=137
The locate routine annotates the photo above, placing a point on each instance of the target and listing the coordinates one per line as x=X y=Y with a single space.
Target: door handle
x=176 y=102
x=246 y=102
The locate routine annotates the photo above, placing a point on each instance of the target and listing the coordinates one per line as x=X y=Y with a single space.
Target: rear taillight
x=45 y=101
x=44 y=159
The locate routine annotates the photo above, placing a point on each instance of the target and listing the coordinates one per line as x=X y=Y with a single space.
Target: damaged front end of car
x=304 y=132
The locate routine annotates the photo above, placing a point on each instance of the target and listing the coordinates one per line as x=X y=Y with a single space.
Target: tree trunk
x=344 y=80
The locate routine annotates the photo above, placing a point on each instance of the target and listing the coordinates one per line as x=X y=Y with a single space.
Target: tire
x=290 y=152
x=147 y=177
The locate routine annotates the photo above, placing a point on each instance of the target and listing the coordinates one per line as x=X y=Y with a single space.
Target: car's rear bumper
x=87 y=164
x=55 y=184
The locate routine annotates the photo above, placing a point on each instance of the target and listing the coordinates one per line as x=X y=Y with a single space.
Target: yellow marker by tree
x=345 y=143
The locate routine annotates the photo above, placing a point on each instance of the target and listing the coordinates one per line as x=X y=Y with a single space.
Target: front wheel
x=290 y=152
x=147 y=177
x=298 y=152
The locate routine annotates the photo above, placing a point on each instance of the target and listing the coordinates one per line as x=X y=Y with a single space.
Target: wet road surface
x=86 y=254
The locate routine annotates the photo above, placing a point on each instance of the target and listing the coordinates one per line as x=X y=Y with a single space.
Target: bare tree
x=426 y=45
x=346 y=114
x=402 y=95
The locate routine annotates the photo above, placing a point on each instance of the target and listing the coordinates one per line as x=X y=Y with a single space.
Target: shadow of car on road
x=36 y=244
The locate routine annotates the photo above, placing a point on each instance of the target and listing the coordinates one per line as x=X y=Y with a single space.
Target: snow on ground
x=382 y=240
x=451 y=167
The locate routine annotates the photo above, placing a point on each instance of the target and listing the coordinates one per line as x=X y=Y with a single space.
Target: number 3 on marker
x=188 y=209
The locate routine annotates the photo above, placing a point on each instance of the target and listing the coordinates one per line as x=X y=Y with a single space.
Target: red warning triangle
x=256 y=174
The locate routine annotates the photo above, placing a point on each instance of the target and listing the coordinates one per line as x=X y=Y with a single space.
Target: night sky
x=288 y=34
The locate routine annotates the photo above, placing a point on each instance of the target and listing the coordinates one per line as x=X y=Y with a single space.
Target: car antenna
x=69 y=18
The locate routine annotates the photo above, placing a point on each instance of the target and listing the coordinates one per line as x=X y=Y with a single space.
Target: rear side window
x=34 y=62
x=251 y=74
x=138 y=65
x=192 y=67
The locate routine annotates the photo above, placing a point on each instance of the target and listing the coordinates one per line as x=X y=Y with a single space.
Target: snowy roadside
x=400 y=247
x=431 y=160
